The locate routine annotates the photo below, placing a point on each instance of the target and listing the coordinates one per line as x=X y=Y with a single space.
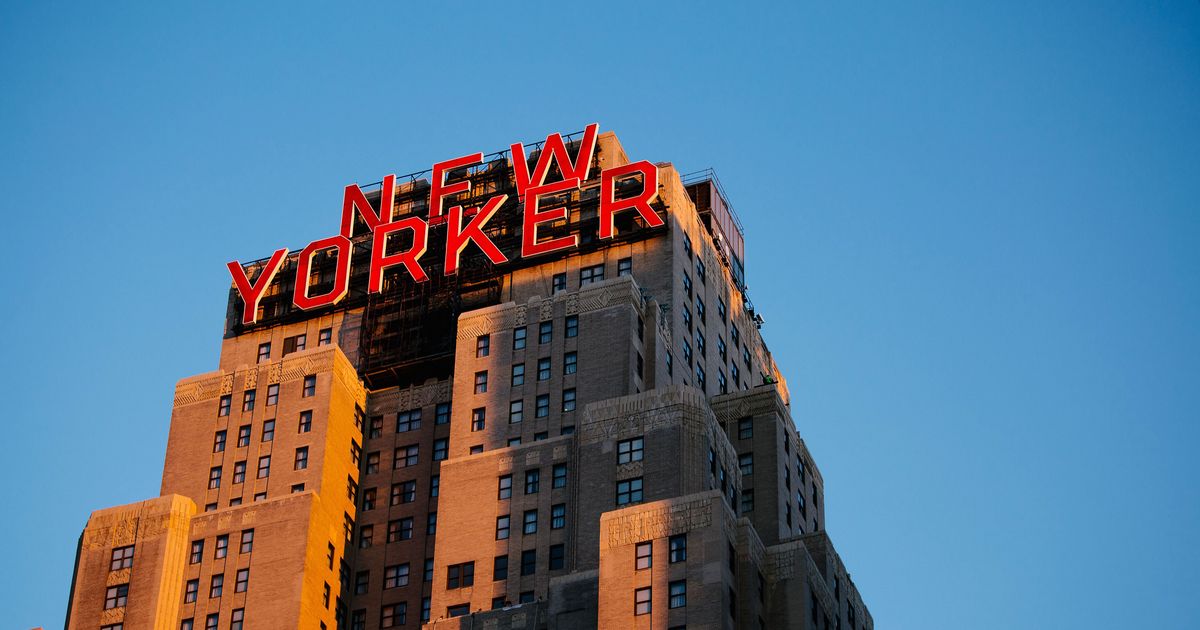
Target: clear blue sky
x=973 y=232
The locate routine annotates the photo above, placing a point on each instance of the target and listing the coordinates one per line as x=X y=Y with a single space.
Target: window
x=629 y=491
x=572 y=326
x=248 y=399
x=325 y=337
x=242 y=581
x=435 y=482
x=264 y=352
x=223 y=406
x=483 y=346
x=500 y=568
x=700 y=272
x=441 y=447
x=543 y=406
x=643 y=555
x=431 y=523
x=526 y=597
x=568 y=400
x=540 y=435
x=305 y=422
x=735 y=335
x=745 y=428
x=460 y=575
x=403 y=492
x=746 y=463
x=394 y=615
x=588 y=275
x=570 y=362
x=687 y=245
x=503 y=525
x=624 y=267
x=481 y=382
x=721 y=349
x=505 y=487
x=529 y=562
x=518 y=374
x=222 y=548
x=687 y=352
x=519 y=335
x=687 y=285
x=529 y=522
x=630 y=450
x=216 y=585
x=366 y=537
x=700 y=311
x=543 y=373
x=210 y=622
x=247 y=543
x=558 y=557
x=641 y=601
x=559 y=282
x=558 y=516
x=405 y=456
x=458 y=610
x=687 y=317
x=372 y=462
x=516 y=411
x=400 y=529
x=310 y=386
x=700 y=343
x=219 y=442
x=747 y=501
x=214 y=477
x=478 y=419
x=197 y=551
x=442 y=414
x=736 y=374
x=272 y=394
x=545 y=332
x=427 y=576
x=122 y=558
x=190 y=590
x=533 y=480
x=264 y=466
x=268 y=431
x=678 y=594
x=701 y=377
x=368 y=499
x=670 y=365
x=186 y=624
x=395 y=576
x=677 y=546
x=408 y=420
x=722 y=312
x=560 y=476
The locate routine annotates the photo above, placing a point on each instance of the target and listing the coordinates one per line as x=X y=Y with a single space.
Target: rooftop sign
x=464 y=226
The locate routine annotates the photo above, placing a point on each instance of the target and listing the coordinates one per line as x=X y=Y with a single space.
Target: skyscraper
x=581 y=427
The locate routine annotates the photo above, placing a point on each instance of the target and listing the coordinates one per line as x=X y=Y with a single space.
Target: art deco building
x=598 y=438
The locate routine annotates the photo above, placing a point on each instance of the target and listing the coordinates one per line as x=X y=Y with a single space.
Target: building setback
x=593 y=438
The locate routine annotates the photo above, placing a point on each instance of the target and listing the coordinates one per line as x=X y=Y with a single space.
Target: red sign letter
x=438 y=190
x=252 y=293
x=341 y=280
x=529 y=240
x=354 y=199
x=554 y=149
x=641 y=202
x=380 y=260
x=458 y=235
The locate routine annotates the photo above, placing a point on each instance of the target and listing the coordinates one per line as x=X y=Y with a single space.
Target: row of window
x=221 y=546
x=591 y=274
x=294 y=344
x=529 y=521
x=303 y=425
x=520 y=336
x=250 y=396
x=642 y=597
x=216 y=586
x=463 y=575
x=237 y=618
x=409 y=420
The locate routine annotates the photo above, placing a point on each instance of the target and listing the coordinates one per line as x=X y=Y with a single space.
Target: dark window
x=500 y=568
x=630 y=450
x=190 y=590
x=395 y=576
x=301 y=458
x=408 y=420
x=406 y=456
x=242 y=581
x=222 y=548
x=572 y=326
x=310 y=386
x=568 y=400
x=678 y=594
x=305 y=422
x=529 y=562
x=529 y=522
x=558 y=516
x=505 y=487
x=481 y=382
x=533 y=479
x=560 y=476
x=223 y=406
x=268 y=431
x=483 y=346
x=197 y=552
x=272 y=394
x=677 y=546
x=570 y=362
x=441 y=448
x=624 y=267
x=588 y=275
x=543 y=369
x=403 y=492
x=545 y=332
x=460 y=575
x=519 y=335
x=248 y=399
x=558 y=557
x=214 y=477
x=294 y=344
x=518 y=374
x=247 y=543
x=516 y=411
x=560 y=282
x=745 y=428
x=400 y=529
x=264 y=466
x=216 y=586
x=442 y=414
x=325 y=337
x=264 y=352
x=543 y=406
x=746 y=463
x=503 y=526
x=393 y=615
x=629 y=491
